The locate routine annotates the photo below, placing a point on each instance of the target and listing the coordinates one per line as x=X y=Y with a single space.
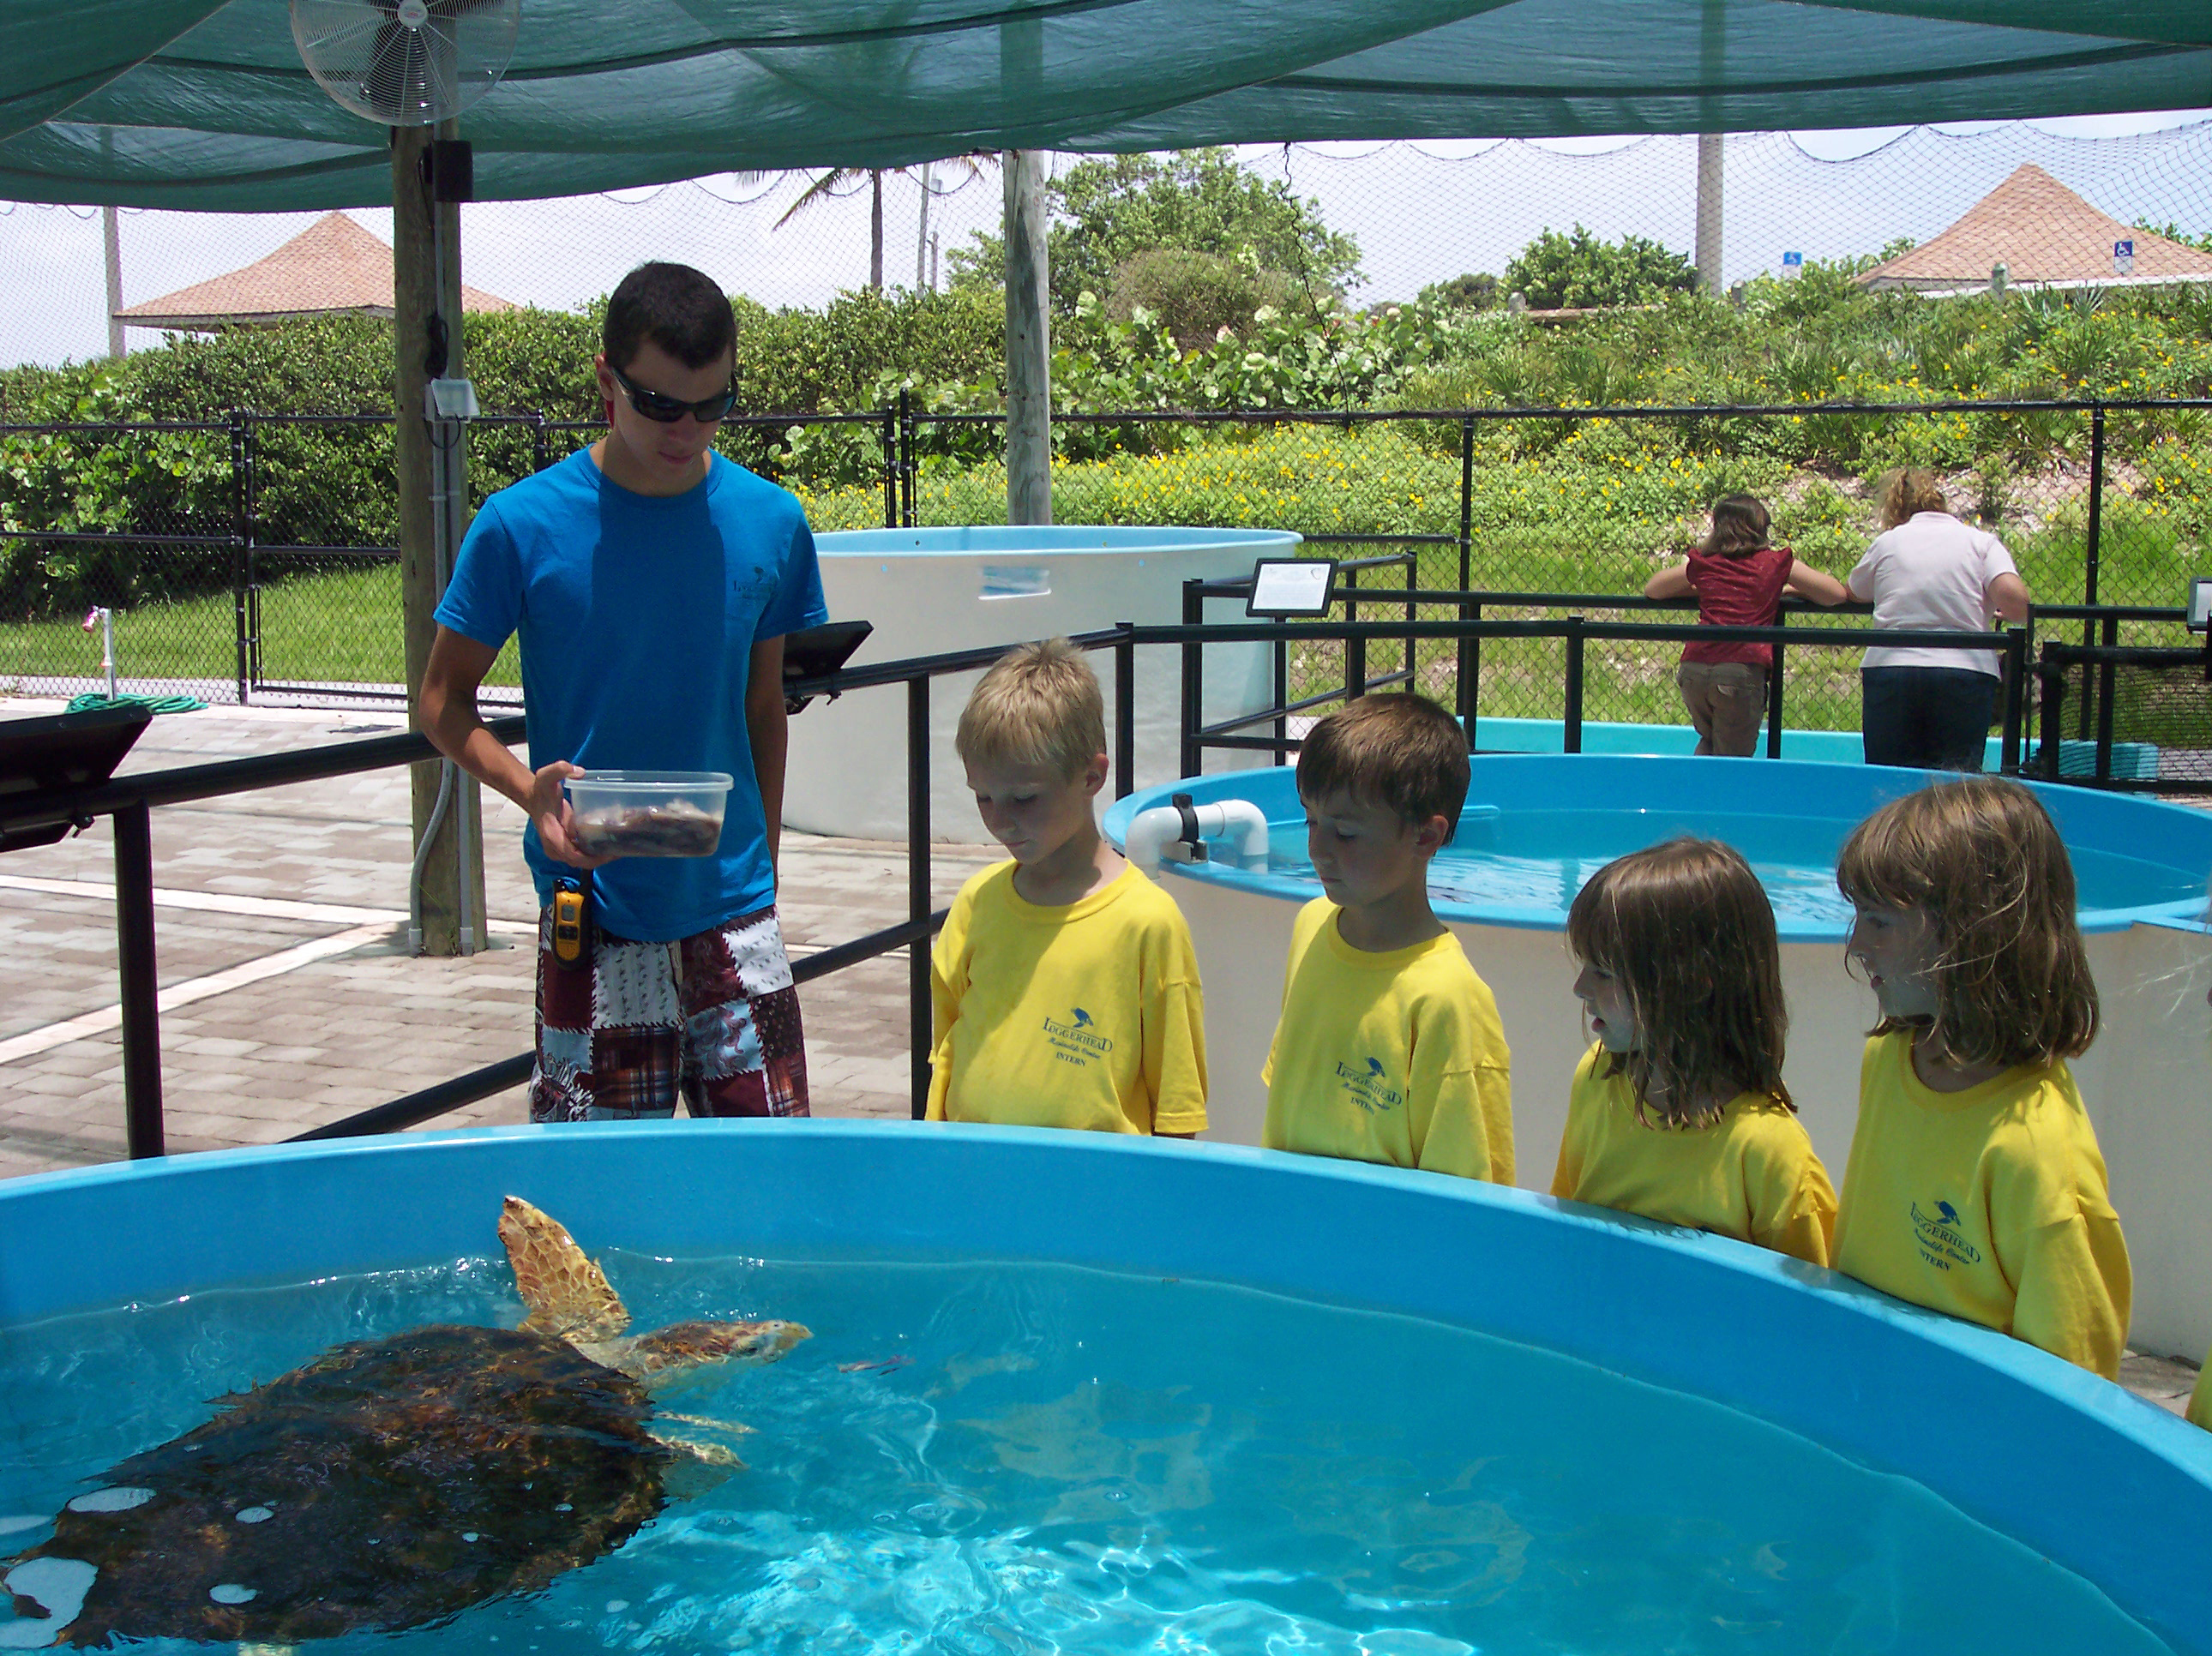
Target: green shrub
x=1558 y=271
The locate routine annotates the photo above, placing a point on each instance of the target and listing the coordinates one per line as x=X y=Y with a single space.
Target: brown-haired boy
x=1388 y=1048
x=1065 y=984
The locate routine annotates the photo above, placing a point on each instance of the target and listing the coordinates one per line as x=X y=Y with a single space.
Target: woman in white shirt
x=1928 y=571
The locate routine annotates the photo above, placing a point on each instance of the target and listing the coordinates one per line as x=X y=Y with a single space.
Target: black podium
x=57 y=754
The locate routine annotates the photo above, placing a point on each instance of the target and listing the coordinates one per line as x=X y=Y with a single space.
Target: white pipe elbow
x=1178 y=833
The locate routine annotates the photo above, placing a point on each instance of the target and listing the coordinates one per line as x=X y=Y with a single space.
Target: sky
x=1420 y=212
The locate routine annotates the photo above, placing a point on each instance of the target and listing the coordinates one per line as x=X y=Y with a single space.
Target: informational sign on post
x=2123 y=257
x=1285 y=587
x=1793 y=266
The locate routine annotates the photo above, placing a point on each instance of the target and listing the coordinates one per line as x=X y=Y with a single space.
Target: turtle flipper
x=703 y=1458
x=566 y=1293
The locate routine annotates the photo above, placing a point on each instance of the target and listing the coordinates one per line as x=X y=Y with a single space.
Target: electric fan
x=406 y=63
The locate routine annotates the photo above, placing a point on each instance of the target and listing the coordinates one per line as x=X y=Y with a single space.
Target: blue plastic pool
x=1537 y=826
x=1073 y=1393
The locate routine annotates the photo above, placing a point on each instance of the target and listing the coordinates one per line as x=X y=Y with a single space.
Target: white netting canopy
x=205 y=104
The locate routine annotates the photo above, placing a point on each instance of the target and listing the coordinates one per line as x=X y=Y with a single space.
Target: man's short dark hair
x=677 y=307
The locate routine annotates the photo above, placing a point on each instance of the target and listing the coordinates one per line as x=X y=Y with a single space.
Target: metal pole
x=1774 y=695
x=2016 y=698
x=919 y=1021
x=241 y=535
x=891 y=469
x=141 y=984
x=2093 y=556
x=1571 y=732
x=1470 y=650
x=1471 y=670
x=1194 y=668
x=110 y=240
x=1355 y=649
x=1124 y=716
x=2050 y=699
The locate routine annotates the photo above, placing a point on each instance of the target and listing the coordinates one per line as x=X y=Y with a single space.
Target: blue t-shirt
x=638 y=615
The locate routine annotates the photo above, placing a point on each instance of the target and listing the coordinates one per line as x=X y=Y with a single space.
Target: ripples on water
x=1013 y=1458
x=1538 y=859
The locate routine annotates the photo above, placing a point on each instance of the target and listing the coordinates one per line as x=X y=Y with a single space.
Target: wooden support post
x=1029 y=344
x=429 y=478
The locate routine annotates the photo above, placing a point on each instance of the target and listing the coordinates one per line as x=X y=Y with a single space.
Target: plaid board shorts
x=714 y=1017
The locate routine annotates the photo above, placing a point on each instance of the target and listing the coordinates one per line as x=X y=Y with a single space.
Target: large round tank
x=931 y=591
x=1071 y=1392
x=1537 y=826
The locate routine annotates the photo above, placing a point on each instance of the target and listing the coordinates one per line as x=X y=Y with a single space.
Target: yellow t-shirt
x=2200 y=1400
x=1086 y=1015
x=1397 y=1058
x=1990 y=1204
x=1751 y=1174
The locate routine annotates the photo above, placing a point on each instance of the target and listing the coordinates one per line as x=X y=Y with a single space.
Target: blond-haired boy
x=1064 y=985
x=1388 y=1048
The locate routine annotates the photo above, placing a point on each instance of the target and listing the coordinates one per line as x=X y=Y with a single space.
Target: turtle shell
x=388 y=1483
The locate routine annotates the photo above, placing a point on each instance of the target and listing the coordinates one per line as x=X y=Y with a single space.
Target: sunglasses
x=667 y=410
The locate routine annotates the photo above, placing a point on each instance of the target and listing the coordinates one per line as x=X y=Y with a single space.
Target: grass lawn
x=340 y=627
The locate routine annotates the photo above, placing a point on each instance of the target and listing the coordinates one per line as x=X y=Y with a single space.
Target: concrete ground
x=290 y=999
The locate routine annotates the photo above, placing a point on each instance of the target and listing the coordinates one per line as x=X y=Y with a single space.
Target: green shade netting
x=201 y=105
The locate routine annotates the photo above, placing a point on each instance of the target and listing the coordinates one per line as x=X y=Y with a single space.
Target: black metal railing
x=131 y=800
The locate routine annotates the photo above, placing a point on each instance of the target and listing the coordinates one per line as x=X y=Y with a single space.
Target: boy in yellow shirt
x=1975 y=1185
x=1388 y=1048
x=1065 y=985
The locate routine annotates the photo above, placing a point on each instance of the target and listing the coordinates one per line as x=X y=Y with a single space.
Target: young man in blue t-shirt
x=651 y=582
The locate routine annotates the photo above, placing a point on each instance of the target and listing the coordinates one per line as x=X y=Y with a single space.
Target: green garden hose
x=160 y=704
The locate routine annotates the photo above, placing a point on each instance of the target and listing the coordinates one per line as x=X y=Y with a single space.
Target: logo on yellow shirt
x=1078 y=1039
x=1942 y=1240
x=1370 y=1087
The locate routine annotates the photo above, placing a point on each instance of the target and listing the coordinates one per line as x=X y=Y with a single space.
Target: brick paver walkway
x=253 y=1062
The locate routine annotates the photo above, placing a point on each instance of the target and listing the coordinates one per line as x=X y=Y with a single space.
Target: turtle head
x=688 y=1344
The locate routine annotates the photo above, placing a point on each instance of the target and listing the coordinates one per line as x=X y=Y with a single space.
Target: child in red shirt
x=1738 y=580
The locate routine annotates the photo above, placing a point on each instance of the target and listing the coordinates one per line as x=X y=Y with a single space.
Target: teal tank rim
x=2173 y=836
x=1050 y=540
x=2099 y=1481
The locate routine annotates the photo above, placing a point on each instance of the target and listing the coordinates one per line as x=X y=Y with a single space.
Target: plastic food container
x=649 y=813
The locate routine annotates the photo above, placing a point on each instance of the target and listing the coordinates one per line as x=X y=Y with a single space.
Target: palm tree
x=839 y=180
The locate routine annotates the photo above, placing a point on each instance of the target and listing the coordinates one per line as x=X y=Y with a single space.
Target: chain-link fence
x=257 y=556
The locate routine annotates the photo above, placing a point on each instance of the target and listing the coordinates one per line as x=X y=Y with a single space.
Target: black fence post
x=1570 y=730
x=1412 y=614
x=919 y=1023
x=2093 y=558
x=1193 y=670
x=1281 y=648
x=243 y=616
x=541 y=444
x=2107 y=673
x=2016 y=698
x=2050 y=701
x=1355 y=649
x=1774 y=693
x=889 y=439
x=140 y=982
x=1124 y=714
x=1470 y=669
x=1470 y=649
x=909 y=462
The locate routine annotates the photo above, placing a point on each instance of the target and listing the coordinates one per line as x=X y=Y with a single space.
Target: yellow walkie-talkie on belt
x=571 y=922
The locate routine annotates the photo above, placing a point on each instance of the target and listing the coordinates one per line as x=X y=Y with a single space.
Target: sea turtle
x=391 y=1482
